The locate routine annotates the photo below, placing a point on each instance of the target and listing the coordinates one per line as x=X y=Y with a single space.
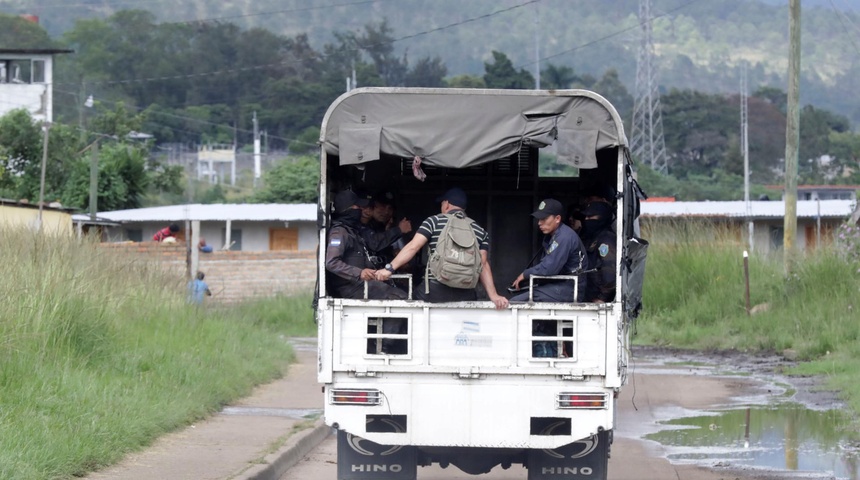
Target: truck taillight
x=581 y=400
x=354 y=396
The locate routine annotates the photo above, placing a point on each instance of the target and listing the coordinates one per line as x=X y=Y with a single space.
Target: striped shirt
x=432 y=227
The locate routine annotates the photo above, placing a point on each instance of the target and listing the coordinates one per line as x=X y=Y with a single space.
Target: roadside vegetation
x=100 y=355
x=694 y=298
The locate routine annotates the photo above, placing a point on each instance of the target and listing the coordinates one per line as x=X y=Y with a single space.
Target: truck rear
x=463 y=383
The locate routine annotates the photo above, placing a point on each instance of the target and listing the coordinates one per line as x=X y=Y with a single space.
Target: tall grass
x=694 y=297
x=100 y=354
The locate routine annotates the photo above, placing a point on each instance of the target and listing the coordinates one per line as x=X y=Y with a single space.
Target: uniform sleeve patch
x=334 y=242
x=603 y=249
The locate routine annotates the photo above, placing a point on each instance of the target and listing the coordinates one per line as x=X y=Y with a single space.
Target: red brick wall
x=234 y=276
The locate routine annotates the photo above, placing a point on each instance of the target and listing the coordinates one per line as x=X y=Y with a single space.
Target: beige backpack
x=456 y=261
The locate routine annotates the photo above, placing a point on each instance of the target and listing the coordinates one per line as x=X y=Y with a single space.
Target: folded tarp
x=460 y=128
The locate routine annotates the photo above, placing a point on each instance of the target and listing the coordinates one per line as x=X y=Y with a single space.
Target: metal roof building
x=246 y=227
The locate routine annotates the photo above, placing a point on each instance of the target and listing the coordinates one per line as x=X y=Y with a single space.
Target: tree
x=466 y=81
x=557 y=77
x=428 y=72
x=16 y=32
x=502 y=74
x=378 y=42
x=122 y=182
x=306 y=142
x=292 y=180
x=610 y=86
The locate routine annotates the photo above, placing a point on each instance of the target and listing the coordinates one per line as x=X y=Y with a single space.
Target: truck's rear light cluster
x=355 y=396
x=581 y=400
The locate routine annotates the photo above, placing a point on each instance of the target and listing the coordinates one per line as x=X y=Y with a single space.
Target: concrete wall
x=53 y=221
x=234 y=276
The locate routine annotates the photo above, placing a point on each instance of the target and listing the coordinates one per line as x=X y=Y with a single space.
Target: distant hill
x=701 y=43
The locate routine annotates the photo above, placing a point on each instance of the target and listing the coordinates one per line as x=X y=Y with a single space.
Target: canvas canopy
x=459 y=128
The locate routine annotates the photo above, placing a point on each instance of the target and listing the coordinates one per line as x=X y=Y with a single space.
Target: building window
x=38 y=71
x=235 y=239
x=776 y=237
x=134 y=234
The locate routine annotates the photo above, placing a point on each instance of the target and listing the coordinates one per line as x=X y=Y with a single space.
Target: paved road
x=649 y=397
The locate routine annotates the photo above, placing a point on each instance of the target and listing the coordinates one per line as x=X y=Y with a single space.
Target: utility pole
x=257 y=169
x=94 y=180
x=537 y=47
x=792 y=136
x=647 y=143
x=44 y=167
x=745 y=150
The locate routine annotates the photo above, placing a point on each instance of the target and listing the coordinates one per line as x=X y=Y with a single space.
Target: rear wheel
x=584 y=459
x=361 y=459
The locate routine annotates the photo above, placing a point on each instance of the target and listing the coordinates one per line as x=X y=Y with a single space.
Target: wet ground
x=782 y=426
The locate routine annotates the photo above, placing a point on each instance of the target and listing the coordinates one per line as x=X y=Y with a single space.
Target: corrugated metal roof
x=758 y=209
x=214 y=212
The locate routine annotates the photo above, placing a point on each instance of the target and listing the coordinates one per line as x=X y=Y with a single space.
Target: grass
x=99 y=355
x=694 y=298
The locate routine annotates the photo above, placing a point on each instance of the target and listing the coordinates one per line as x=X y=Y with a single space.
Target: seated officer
x=599 y=239
x=347 y=260
x=562 y=254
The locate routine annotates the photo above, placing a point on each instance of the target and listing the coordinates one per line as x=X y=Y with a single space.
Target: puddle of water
x=781 y=437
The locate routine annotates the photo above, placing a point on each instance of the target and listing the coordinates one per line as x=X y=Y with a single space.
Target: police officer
x=599 y=239
x=562 y=254
x=347 y=261
x=379 y=240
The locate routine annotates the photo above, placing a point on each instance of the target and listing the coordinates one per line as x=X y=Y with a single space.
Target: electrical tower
x=647 y=142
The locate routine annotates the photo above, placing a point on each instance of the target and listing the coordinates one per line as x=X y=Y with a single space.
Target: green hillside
x=700 y=43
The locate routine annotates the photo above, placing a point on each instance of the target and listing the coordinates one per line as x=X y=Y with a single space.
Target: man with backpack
x=458 y=255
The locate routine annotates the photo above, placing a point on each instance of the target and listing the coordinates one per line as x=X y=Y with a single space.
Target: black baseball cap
x=547 y=208
x=455 y=196
x=348 y=198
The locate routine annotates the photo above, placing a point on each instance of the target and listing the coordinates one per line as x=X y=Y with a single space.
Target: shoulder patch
x=334 y=242
x=603 y=249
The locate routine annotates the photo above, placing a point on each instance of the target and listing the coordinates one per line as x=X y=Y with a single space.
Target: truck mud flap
x=585 y=459
x=360 y=459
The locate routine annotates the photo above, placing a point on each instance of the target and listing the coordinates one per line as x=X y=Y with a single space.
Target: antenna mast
x=647 y=143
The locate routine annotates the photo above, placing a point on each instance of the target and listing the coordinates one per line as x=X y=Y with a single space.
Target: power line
x=275 y=12
x=322 y=55
x=181 y=117
x=844 y=18
x=611 y=35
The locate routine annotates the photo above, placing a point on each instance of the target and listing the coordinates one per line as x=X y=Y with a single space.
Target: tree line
x=199 y=83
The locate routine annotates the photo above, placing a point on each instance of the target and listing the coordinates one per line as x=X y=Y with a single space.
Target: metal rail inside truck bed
x=464 y=383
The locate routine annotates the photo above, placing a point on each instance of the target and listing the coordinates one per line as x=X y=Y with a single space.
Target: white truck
x=466 y=385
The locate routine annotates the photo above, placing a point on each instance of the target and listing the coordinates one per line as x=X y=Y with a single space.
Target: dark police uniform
x=346 y=256
x=601 y=263
x=562 y=254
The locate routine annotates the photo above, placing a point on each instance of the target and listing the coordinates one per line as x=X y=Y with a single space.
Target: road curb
x=297 y=446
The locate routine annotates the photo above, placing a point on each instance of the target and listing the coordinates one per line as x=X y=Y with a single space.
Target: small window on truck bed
x=388 y=335
x=553 y=338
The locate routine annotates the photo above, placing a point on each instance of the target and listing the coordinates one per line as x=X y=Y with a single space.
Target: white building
x=26 y=81
x=238 y=227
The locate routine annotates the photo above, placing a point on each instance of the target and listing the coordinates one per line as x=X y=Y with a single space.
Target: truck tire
x=584 y=459
x=361 y=459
